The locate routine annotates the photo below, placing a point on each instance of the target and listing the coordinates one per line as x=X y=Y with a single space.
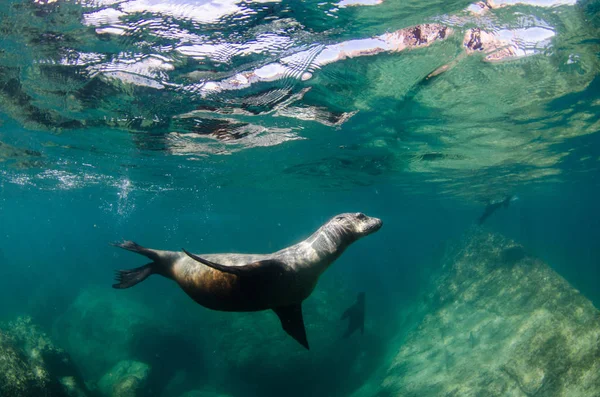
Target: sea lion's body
x=218 y=290
x=254 y=282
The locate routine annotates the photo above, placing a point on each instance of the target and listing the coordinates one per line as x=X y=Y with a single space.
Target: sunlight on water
x=182 y=82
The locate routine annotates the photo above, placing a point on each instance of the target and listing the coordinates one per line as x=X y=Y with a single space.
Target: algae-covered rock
x=73 y=386
x=99 y=327
x=502 y=324
x=17 y=377
x=31 y=365
x=126 y=379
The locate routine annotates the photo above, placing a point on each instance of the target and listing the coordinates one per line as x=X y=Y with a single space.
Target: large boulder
x=99 y=328
x=31 y=365
x=103 y=327
x=501 y=323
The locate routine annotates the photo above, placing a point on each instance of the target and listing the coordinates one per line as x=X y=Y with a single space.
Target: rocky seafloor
x=496 y=322
x=123 y=345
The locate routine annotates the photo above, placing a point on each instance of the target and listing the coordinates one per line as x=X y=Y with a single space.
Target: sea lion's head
x=354 y=225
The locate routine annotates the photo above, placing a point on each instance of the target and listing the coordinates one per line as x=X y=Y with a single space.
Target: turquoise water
x=243 y=126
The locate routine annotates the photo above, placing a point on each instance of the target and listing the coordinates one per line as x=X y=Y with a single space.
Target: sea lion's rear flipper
x=129 y=278
x=293 y=322
x=138 y=249
x=356 y=315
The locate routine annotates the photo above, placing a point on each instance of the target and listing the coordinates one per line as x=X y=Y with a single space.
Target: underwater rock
x=504 y=323
x=17 y=377
x=126 y=379
x=31 y=365
x=98 y=329
x=73 y=387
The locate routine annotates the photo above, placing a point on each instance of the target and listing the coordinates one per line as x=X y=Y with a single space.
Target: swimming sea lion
x=252 y=282
x=493 y=206
x=356 y=316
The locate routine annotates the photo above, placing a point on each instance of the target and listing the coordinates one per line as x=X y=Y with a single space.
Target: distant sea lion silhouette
x=493 y=206
x=356 y=316
x=252 y=282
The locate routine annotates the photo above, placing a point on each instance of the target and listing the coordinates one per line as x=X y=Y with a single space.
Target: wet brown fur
x=228 y=292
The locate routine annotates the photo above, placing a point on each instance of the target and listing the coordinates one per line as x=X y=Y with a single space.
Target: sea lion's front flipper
x=293 y=322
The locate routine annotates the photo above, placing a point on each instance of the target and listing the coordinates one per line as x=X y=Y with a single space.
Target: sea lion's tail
x=129 y=278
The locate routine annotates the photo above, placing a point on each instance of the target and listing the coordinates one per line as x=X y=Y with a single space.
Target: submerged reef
x=31 y=365
x=500 y=323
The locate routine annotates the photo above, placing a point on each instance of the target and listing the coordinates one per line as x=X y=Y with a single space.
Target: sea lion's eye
x=360 y=216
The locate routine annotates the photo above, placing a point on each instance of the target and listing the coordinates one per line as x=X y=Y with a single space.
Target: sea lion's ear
x=248 y=269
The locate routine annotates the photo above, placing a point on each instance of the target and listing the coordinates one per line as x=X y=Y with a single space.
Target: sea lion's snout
x=377 y=224
x=371 y=225
x=365 y=225
x=354 y=225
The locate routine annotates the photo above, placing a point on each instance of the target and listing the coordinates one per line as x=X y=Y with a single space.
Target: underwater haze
x=471 y=129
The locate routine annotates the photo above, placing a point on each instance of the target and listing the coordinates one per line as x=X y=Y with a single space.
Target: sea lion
x=356 y=316
x=493 y=206
x=252 y=282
